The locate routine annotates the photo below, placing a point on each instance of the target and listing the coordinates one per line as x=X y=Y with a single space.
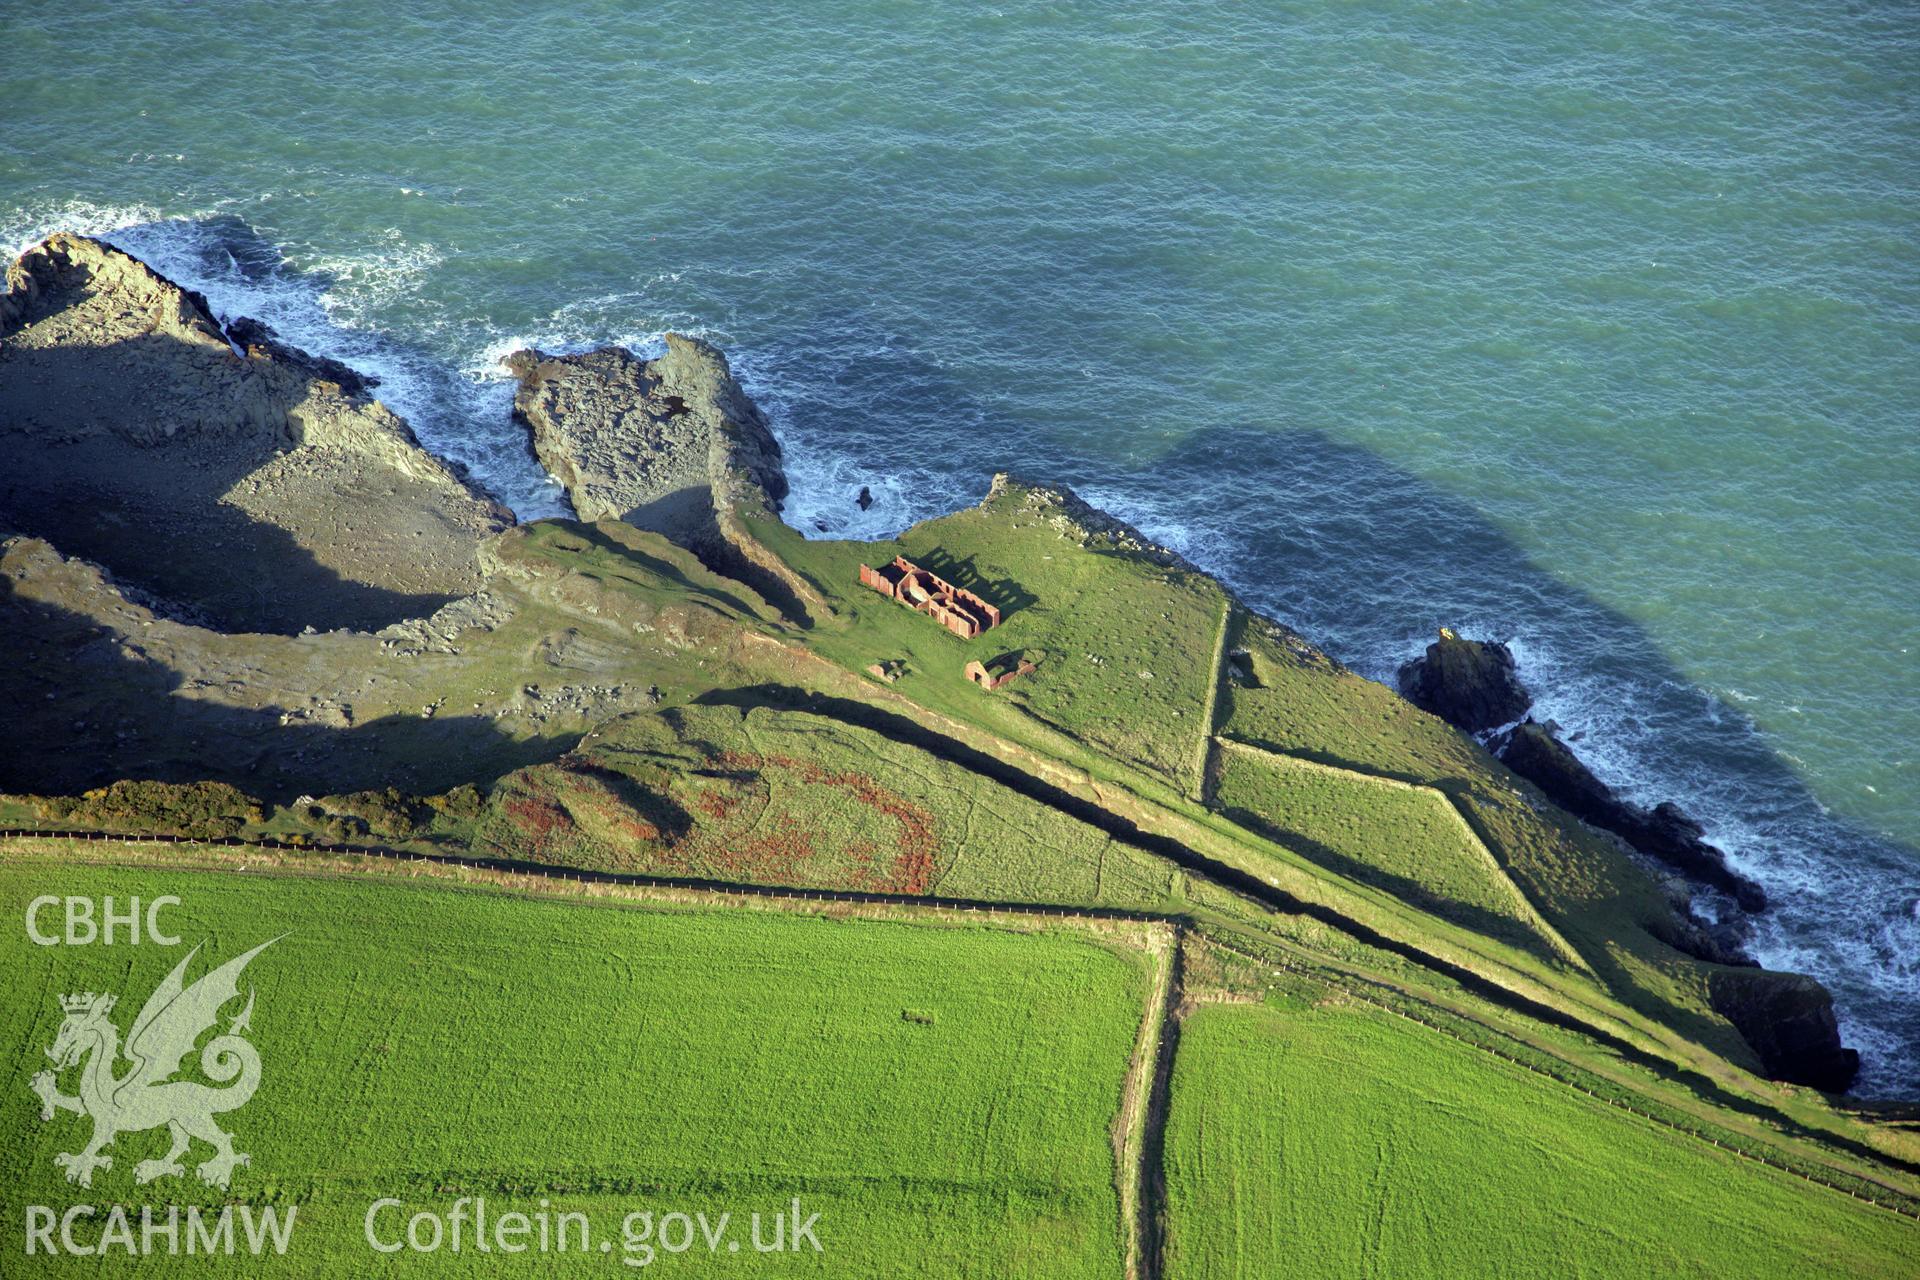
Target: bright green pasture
x=1345 y=1142
x=1407 y=840
x=1125 y=646
x=941 y=1095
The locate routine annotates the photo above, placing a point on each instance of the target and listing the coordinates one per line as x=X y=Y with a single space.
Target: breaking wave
x=331 y=305
x=1359 y=557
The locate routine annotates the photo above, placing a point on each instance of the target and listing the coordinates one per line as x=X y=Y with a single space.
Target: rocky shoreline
x=218 y=471
x=1474 y=685
x=169 y=485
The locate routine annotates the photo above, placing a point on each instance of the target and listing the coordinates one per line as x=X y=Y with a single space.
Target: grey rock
x=1789 y=1021
x=1664 y=832
x=257 y=337
x=253 y=486
x=646 y=441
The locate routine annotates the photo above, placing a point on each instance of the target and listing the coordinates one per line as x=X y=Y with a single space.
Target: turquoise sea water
x=1596 y=327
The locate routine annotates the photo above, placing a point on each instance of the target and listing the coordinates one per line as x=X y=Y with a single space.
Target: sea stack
x=1468 y=683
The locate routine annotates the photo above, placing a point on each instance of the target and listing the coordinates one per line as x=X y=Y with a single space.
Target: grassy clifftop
x=1165 y=735
x=741 y=713
x=1154 y=680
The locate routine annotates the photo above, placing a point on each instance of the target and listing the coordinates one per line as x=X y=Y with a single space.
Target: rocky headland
x=171 y=489
x=220 y=474
x=673 y=445
x=643 y=440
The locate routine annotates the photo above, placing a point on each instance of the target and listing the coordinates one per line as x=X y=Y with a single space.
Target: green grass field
x=940 y=1095
x=1341 y=1141
x=1125 y=646
x=1073 y=592
x=1407 y=840
x=1289 y=699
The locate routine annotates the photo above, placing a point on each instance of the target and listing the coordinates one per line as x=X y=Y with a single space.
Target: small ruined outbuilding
x=1000 y=673
x=955 y=608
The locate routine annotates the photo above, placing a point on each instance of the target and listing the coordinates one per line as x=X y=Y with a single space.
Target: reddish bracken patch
x=716 y=805
x=779 y=855
x=732 y=834
x=916 y=846
x=539 y=818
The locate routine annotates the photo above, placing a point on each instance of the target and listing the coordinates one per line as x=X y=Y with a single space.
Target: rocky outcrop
x=45 y=279
x=254 y=487
x=1664 y=832
x=1723 y=941
x=1788 y=1020
x=1472 y=684
x=257 y=338
x=1074 y=517
x=1468 y=683
x=674 y=445
x=646 y=441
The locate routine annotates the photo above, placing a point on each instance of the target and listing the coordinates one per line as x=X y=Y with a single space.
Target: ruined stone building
x=988 y=678
x=955 y=608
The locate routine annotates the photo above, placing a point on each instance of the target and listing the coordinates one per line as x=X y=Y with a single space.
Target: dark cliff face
x=1467 y=683
x=1788 y=1019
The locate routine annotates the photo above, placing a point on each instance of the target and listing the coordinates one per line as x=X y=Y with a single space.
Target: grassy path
x=1153 y=1132
x=1212 y=710
x=1143 y=1113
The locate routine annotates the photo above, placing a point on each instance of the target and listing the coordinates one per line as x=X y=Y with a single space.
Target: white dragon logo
x=173 y=1018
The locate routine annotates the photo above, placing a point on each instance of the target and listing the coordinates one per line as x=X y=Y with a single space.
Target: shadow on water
x=1367 y=559
x=1361 y=556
